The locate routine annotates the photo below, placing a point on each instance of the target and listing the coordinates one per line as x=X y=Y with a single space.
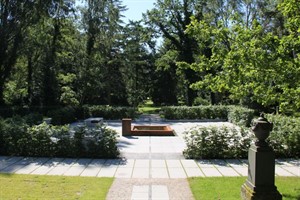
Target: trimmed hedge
x=230 y=142
x=240 y=116
x=235 y=114
x=195 y=112
x=285 y=136
x=109 y=112
x=19 y=139
x=217 y=142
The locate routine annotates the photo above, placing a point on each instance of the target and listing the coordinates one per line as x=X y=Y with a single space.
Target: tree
x=101 y=74
x=171 y=17
x=249 y=62
x=138 y=64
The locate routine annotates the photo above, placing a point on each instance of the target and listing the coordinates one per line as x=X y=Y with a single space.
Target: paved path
x=138 y=168
x=150 y=168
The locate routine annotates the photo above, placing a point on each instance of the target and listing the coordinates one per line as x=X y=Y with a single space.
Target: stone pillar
x=126 y=127
x=260 y=184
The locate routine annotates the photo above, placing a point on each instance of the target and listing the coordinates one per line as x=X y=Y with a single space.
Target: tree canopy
x=53 y=53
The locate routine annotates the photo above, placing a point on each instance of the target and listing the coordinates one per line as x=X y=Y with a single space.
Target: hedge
x=235 y=114
x=217 y=142
x=109 y=112
x=233 y=142
x=17 y=138
x=285 y=136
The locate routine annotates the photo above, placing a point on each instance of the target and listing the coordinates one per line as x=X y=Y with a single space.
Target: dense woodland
x=246 y=52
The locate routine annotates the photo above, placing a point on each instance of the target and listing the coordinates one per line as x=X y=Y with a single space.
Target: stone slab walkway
x=138 y=168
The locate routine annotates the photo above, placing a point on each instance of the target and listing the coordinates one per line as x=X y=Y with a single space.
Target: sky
x=135 y=8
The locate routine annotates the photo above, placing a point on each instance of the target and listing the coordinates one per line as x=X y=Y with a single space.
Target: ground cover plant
x=53 y=187
x=228 y=188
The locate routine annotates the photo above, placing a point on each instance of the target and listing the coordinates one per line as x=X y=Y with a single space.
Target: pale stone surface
x=107 y=171
x=124 y=173
x=178 y=189
x=211 y=172
x=194 y=172
x=189 y=163
x=158 y=163
x=177 y=173
x=294 y=170
x=74 y=170
x=141 y=173
x=227 y=171
x=159 y=173
x=91 y=171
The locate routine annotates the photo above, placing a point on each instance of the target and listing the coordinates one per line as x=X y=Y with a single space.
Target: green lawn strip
x=230 y=187
x=149 y=108
x=53 y=187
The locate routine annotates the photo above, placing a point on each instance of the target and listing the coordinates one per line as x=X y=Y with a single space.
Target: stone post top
x=262 y=128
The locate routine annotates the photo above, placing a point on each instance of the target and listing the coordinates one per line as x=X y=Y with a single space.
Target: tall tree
x=171 y=17
x=103 y=28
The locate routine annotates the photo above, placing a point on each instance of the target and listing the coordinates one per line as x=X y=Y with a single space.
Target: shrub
x=109 y=112
x=61 y=116
x=240 y=116
x=285 y=136
x=19 y=139
x=217 y=142
x=195 y=112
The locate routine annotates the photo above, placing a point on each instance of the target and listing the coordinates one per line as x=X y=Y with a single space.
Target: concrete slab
x=159 y=172
x=211 y=172
x=142 y=164
x=243 y=171
x=107 y=171
x=159 y=192
x=74 y=170
x=140 y=173
x=177 y=173
x=193 y=172
x=91 y=170
x=158 y=164
x=293 y=170
x=227 y=171
x=173 y=164
x=205 y=164
x=124 y=173
x=189 y=164
x=279 y=171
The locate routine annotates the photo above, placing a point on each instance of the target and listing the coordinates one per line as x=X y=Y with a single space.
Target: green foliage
x=19 y=139
x=64 y=115
x=248 y=62
x=285 y=137
x=195 y=112
x=199 y=101
x=109 y=112
x=217 y=142
x=240 y=116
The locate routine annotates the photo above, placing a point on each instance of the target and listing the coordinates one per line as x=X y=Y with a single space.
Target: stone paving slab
x=140 y=168
x=155 y=189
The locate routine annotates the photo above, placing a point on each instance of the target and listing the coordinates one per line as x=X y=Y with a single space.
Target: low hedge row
x=233 y=142
x=109 y=112
x=235 y=114
x=285 y=136
x=217 y=142
x=17 y=138
x=69 y=114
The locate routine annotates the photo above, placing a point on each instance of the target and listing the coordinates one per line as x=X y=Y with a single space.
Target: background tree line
x=221 y=51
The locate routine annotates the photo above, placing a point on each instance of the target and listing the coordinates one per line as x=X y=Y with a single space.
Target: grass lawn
x=53 y=187
x=149 y=108
x=228 y=188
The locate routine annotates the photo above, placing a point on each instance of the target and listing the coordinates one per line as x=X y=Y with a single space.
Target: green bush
x=19 y=139
x=61 y=116
x=109 y=112
x=195 y=112
x=285 y=137
x=217 y=142
x=240 y=116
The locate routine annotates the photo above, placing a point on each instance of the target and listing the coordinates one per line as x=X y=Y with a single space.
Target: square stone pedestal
x=261 y=175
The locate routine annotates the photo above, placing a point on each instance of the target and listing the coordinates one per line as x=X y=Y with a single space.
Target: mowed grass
x=149 y=108
x=229 y=188
x=53 y=187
